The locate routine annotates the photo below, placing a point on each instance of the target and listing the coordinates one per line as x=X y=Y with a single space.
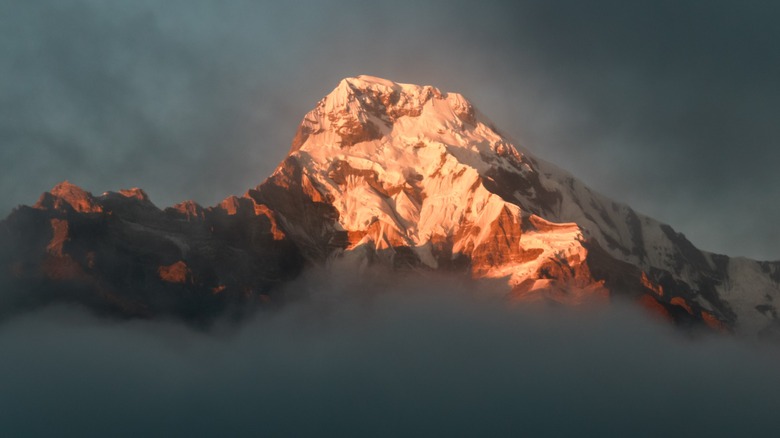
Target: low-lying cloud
x=374 y=357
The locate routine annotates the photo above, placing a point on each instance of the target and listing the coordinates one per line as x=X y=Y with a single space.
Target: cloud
x=383 y=357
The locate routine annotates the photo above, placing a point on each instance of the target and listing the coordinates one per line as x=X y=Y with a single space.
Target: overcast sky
x=669 y=106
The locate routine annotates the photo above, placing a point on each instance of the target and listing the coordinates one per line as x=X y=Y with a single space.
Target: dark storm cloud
x=422 y=357
x=670 y=106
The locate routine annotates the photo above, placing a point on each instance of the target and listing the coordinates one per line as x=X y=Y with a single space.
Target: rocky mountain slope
x=398 y=175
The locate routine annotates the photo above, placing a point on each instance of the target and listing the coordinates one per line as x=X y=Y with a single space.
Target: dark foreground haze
x=425 y=356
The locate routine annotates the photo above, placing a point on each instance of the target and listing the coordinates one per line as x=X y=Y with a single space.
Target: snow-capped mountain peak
x=408 y=167
x=420 y=175
x=400 y=175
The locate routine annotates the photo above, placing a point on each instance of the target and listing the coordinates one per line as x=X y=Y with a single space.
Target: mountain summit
x=399 y=175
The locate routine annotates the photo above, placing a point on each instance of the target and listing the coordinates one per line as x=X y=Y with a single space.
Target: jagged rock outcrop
x=119 y=254
x=383 y=173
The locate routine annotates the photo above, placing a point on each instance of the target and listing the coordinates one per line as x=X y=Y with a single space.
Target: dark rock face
x=308 y=218
x=659 y=292
x=119 y=254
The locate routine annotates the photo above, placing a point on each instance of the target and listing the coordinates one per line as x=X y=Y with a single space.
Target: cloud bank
x=426 y=356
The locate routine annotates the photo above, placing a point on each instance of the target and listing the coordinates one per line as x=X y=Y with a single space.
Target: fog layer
x=354 y=358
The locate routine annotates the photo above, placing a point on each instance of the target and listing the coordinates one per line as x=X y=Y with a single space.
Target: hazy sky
x=669 y=106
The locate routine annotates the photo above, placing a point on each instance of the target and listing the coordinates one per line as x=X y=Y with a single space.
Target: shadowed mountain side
x=120 y=254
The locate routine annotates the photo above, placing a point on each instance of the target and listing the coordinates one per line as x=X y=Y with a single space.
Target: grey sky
x=669 y=106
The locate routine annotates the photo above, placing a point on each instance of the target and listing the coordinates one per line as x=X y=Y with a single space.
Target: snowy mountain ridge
x=400 y=175
x=409 y=166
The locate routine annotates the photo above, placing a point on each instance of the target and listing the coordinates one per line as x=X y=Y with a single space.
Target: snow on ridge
x=405 y=165
x=425 y=149
x=417 y=139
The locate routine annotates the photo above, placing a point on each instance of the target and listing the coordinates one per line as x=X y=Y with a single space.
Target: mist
x=371 y=357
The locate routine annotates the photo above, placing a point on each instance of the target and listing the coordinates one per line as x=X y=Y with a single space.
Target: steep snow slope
x=421 y=176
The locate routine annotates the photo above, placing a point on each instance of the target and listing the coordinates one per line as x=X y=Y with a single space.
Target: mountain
x=379 y=173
